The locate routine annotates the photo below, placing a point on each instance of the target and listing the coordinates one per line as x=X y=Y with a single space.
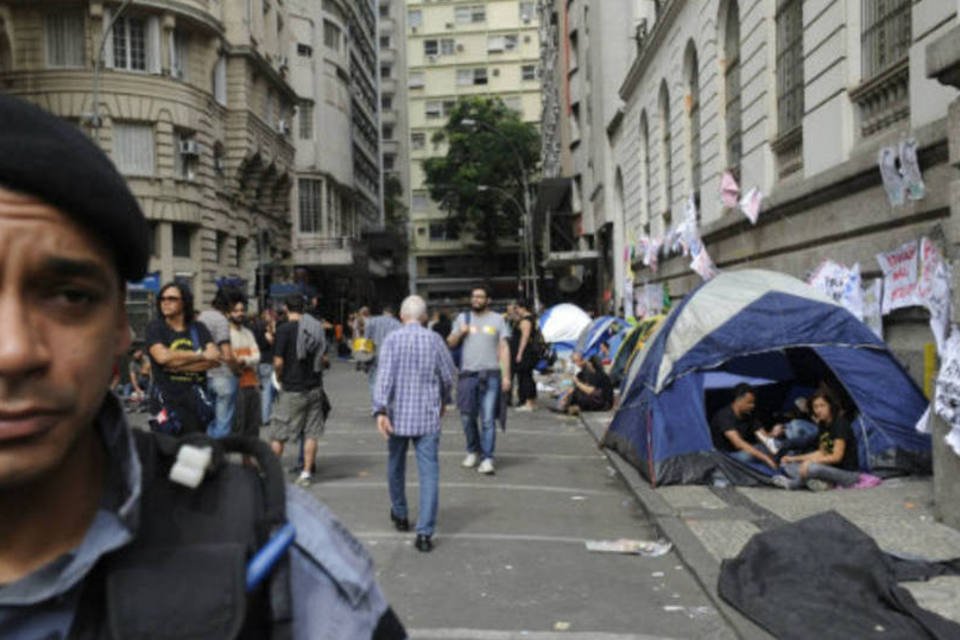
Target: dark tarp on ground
x=823 y=577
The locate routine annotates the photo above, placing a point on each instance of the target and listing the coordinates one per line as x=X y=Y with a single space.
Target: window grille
x=133 y=148
x=731 y=78
x=789 y=65
x=310 y=205
x=886 y=34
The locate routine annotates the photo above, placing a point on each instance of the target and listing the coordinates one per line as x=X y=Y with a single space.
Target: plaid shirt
x=414 y=377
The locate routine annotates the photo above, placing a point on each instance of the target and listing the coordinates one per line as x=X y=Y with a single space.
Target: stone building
x=192 y=103
x=487 y=47
x=337 y=200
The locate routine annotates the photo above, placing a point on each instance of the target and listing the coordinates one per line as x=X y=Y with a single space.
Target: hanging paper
x=653 y=298
x=872 y=317
x=640 y=309
x=840 y=284
x=946 y=400
x=750 y=204
x=910 y=169
x=703 y=265
x=892 y=180
x=729 y=190
x=899 y=276
x=938 y=303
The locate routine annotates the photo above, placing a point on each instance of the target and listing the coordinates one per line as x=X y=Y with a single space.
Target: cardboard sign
x=899 y=276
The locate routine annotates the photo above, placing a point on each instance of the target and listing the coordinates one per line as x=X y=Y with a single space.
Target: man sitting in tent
x=734 y=430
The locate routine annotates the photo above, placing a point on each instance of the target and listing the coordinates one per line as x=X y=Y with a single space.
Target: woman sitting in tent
x=835 y=460
x=592 y=388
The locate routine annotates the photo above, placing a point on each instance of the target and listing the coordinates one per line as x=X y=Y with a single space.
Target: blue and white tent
x=561 y=325
x=600 y=331
x=781 y=335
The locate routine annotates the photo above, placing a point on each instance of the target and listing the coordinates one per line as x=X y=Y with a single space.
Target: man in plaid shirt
x=415 y=377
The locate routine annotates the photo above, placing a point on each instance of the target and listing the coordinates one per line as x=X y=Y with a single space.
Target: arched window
x=666 y=150
x=731 y=83
x=645 y=169
x=692 y=75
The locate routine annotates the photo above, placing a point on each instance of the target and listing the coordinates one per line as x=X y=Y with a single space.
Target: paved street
x=510 y=560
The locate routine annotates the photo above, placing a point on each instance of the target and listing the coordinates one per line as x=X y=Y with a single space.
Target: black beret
x=46 y=157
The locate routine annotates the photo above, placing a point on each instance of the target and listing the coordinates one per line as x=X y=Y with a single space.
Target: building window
x=179 y=54
x=221 y=247
x=311 y=209
x=418 y=140
x=386 y=71
x=305 y=115
x=431 y=47
x=389 y=160
x=385 y=11
x=415 y=80
x=693 y=115
x=133 y=148
x=433 y=109
x=731 y=82
x=468 y=15
x=886 y=34
x=182 y=240
x=219 y=80
x=645 y=168
x=304 y=50
x=240 y=257
x=267 y=110
x=666 y=147
x=64 y=33
x=420 y=201
x=388 y=132
x=500 y=43
x=186 y=154
x=526 y=11
x=447 y=46
x=386 y=102
x=135 y=44
x=528 y=72
x=789 y=65
x=415 y=18
x=472 y=76
x=384 y=42
x=331 y=35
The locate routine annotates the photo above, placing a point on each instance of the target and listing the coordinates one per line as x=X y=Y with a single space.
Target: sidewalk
x=707 y=524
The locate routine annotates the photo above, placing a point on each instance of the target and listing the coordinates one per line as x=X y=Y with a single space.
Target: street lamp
x=471 y=123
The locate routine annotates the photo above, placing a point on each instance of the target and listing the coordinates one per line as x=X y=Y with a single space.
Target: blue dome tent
x=600 y=331
x=782 y=336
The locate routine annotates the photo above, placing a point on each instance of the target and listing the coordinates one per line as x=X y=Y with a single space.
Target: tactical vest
x=183 y=577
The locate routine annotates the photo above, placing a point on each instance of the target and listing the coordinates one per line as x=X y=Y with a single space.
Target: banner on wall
x=899 y=276
x=841 y=284
x=872 y=316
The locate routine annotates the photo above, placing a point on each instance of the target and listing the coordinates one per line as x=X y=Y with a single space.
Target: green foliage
x=495 y=149
x=395 y=213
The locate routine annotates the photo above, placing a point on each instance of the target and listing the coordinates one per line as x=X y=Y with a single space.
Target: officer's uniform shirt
x=332 y=581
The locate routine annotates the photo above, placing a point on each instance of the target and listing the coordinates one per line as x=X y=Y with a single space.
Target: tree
x=488 y=145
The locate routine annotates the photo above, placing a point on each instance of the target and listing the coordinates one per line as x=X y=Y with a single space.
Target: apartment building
x=585 y=53
x=337 y=201
x=456 y=49
x=192 y=103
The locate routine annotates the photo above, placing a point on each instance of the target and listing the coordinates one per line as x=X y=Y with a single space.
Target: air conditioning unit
x=283 y=127
x=189 y=148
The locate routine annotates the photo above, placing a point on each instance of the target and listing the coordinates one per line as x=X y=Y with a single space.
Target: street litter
x=657 y=574
x=561 y=626
x=646 y=548
x=578 y=497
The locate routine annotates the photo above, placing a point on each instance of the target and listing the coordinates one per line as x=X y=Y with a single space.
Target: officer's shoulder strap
x=184 y=574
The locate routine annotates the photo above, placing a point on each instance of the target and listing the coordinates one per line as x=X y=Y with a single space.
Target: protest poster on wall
x=933 y=289
x=946 y=400
x=628 y=296
x=841 y=284
x=899 y=276
x=872 y=317
x=653 y=295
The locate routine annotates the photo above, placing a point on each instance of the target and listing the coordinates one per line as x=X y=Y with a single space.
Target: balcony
x=311 y=251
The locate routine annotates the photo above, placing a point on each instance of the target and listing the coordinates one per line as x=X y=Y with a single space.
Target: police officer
x=83 y=553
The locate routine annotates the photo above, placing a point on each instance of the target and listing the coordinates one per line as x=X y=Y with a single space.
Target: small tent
x=781 y=335
x=631 y=342
x=600 y=331
x=561 y=325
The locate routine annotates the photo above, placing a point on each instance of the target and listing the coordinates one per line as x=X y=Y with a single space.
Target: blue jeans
x=268 y=392
x=428 y=471
x=223 y=391
x=815 y=470
x=801 y=435
x=484 y=441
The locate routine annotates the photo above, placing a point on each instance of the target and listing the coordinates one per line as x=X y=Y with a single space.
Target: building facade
x=796 y=101
x=191 y=102
x=457 y=49
x=585 y=53
x=337 y=199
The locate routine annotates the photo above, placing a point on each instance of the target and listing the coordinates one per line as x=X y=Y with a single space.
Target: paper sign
x=892 y=180
x=750 y=204
x=651 y=254
x=946 y=400
x=840 y=284
x=899 y=276
x=872 y=317
x=913 y=184
x=653 y=298
x=703 y=265
x=729 y=190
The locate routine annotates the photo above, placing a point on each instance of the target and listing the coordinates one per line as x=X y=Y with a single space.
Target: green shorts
x=296 y=414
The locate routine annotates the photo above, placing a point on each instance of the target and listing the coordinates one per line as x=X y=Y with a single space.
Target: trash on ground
x=561 y=626
x=647 y=548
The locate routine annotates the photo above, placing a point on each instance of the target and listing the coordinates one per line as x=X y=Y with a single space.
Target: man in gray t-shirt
x=484 y=374
x=222 y=381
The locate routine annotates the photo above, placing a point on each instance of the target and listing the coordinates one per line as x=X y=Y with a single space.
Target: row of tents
x=767 y=329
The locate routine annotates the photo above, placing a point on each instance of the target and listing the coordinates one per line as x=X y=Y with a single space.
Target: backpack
x=184 y=575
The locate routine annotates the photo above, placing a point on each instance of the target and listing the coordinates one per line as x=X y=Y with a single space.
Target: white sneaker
x=305 y=479
x=470 y=461
x=768 y=442
x=486 y=467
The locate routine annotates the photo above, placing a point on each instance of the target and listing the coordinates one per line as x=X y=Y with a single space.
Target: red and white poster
x=899 y=276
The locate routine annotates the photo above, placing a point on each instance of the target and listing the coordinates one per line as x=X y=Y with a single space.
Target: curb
x=702 y=565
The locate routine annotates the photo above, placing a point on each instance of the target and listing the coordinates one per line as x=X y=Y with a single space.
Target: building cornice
x=262 y=66
x=651 y=45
